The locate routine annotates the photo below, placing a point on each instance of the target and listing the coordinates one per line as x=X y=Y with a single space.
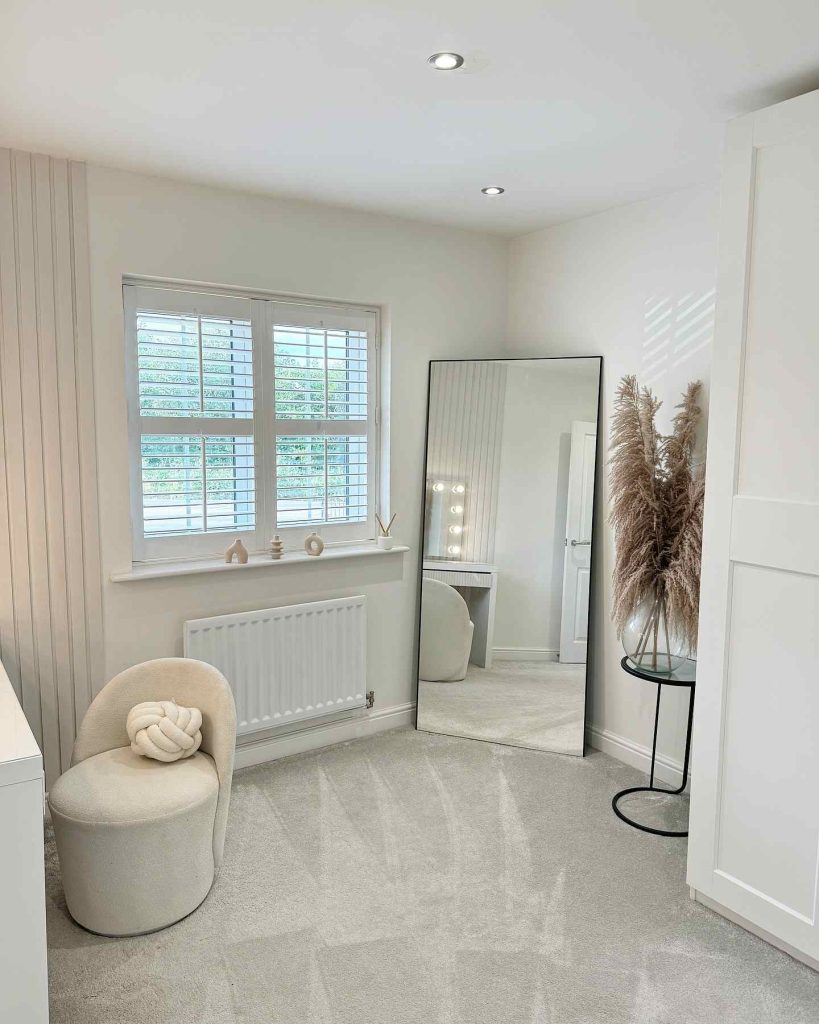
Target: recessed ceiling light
x=446 y=61
x=493 y=190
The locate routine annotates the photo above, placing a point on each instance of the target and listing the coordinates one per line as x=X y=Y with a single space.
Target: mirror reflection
x=505 y=589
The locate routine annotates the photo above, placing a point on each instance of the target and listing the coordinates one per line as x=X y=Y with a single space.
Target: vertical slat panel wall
x=50 y=591
x=465 y=430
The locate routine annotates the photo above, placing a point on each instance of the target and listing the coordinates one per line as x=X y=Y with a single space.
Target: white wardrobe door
x=754 y=839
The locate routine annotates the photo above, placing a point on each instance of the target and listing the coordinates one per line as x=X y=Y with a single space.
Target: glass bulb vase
x=650 y=641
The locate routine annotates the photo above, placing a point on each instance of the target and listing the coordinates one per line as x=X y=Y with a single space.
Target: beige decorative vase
x=313 y=544
x=237 y=550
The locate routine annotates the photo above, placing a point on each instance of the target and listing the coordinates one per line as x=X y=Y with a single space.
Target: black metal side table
x=683 y=676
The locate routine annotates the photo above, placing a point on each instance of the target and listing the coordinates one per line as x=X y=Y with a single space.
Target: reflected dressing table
x=477 y=582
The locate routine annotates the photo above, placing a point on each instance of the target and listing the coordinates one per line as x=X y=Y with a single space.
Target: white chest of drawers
x=23 y=957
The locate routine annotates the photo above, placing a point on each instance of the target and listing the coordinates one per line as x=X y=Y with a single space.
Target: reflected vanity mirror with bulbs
x=506 y=568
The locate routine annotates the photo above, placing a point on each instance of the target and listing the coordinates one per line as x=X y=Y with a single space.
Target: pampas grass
x=656 y=511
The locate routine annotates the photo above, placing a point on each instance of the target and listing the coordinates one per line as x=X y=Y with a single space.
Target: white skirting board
x=524 y=654
x=667 y=770
x=285 y=742
x=341 y=728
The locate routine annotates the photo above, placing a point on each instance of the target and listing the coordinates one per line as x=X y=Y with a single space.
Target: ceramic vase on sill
x=650 y=642
x=313 y=544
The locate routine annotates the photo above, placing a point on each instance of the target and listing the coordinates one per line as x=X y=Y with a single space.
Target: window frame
x=264 y=310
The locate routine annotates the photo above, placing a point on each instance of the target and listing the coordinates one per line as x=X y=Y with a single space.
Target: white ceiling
x=572 y=105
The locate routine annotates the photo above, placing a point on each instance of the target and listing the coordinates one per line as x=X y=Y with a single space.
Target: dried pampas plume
x=635 y=504
x=681 y=577
x=656 y=509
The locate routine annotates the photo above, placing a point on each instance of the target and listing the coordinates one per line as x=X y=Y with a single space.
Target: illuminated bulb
x=458 y=489
x=456 y=529
x=445 y=61
x=438 y=487
x=457 y=510
x=453 y=549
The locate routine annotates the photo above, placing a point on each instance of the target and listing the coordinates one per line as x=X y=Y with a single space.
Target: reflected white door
x=574 y=619
x=754 y=827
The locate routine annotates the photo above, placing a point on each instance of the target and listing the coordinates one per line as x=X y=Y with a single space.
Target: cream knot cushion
x=164 y=730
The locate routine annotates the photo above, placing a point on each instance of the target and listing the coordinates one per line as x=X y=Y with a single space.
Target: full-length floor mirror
x=506 y=568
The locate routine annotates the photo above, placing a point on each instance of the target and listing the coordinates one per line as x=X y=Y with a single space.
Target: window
x=248 y=417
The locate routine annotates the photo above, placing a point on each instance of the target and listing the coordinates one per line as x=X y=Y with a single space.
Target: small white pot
x=385 y=543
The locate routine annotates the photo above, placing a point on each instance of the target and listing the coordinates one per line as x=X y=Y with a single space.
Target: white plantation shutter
x=322 y=372
x=248 y=416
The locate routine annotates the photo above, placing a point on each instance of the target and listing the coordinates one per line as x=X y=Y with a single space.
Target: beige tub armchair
x=446 y=633
x=139 y=841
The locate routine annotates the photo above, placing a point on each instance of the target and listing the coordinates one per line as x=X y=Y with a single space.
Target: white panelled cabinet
x=23 y=965
x=754 y=829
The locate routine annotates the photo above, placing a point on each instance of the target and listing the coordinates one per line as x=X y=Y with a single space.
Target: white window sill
x=194 y=567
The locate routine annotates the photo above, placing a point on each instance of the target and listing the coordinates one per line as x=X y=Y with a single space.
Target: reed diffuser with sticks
x=385 y=539
x=657 y=497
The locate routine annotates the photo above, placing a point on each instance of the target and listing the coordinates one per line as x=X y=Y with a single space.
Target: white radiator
x=287 y=664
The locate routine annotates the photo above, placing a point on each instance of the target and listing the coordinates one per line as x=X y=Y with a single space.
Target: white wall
x=635 y=285
x=540 y=404
x=443 y=293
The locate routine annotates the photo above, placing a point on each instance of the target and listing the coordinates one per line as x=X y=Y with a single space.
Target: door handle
x=581 y=543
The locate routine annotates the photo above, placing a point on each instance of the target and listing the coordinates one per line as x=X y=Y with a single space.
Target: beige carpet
x=420 y=879
x=538 y=704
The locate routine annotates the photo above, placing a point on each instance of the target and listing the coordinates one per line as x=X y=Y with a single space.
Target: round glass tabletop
x=685 y=675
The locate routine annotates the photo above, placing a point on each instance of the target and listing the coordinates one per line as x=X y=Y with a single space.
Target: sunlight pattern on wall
x=675 y=328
